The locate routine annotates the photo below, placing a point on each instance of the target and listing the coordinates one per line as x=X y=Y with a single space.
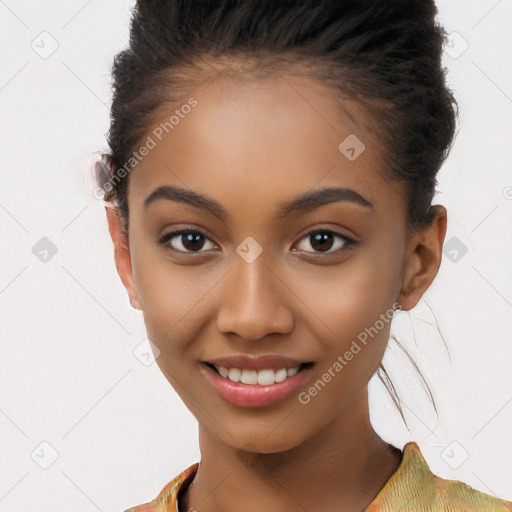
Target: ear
x=122 y=253
x=423 y=259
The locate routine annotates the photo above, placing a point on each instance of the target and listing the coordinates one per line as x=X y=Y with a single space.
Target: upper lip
x=251 y=362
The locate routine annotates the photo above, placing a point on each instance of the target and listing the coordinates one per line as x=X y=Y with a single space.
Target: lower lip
x=248 y=395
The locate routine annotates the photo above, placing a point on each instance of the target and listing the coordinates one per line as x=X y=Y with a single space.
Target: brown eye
x=187 y=241
x=323 y=240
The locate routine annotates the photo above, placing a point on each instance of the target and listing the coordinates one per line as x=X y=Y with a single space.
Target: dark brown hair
x=384 y=54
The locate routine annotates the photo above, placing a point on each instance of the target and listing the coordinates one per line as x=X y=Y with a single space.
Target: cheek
x=164 y=301
x=166 y=288
x=353 y=310
x=178 y=304
x=344 y=300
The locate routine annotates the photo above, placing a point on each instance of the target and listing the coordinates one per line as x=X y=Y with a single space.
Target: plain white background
x=85 y=425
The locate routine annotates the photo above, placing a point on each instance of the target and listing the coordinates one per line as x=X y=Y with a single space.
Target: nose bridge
x=252 y=303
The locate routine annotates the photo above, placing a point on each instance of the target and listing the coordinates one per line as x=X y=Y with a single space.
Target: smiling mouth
x=264 y=377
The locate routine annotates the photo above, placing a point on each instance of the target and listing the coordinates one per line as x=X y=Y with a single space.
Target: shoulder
x=167 y=497
x=414 y=487
x=454 y=493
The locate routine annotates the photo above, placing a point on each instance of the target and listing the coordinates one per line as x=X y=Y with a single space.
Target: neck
x=342 y=467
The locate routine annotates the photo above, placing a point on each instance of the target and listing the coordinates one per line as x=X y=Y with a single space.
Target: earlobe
x=122 y=255
x=423 y=260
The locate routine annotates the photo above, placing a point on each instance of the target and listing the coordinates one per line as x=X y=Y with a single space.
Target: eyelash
x=348 y=242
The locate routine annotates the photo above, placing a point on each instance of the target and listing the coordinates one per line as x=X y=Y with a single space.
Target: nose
x=254 y=301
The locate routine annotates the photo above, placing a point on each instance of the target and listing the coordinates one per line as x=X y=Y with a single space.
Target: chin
x=259 y=443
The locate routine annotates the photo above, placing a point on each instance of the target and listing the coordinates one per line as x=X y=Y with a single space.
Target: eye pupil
x=190 y=241
x=325 y=240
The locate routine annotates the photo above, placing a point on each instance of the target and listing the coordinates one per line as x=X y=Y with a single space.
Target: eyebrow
x=306 y=202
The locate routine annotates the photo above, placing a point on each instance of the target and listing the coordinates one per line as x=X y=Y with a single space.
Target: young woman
x=269 y=192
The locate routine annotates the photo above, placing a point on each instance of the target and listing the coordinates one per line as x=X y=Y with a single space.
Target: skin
x=251 y=146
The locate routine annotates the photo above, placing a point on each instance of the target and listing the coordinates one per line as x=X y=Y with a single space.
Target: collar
x=412 y=486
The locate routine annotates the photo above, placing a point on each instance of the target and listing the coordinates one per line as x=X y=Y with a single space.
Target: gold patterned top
x=411 y=488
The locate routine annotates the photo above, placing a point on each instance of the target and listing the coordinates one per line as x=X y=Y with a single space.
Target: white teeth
x=265 y=377
x=281 y=375
x=249 y=377
x=292 y=371
x=223 y=371
x=234 y=374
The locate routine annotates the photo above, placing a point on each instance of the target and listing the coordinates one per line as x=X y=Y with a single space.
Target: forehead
x=250 y=144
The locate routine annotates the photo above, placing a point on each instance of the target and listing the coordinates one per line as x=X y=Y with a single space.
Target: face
x=251 y=281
